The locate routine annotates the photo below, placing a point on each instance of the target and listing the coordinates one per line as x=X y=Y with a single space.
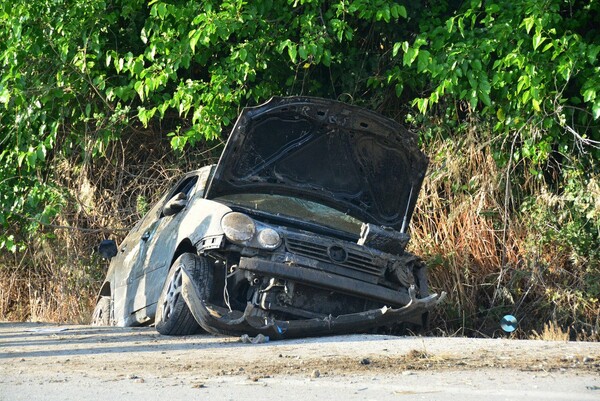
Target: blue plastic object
x=508 y=323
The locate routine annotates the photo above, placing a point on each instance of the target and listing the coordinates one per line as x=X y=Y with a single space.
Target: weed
x=551 y=332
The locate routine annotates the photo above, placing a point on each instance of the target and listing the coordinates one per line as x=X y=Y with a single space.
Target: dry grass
x=458 y=226
x=486 y=254
x=551 y=332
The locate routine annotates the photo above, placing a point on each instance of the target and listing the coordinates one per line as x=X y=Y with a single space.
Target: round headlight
x=238 y=227
x=269 y=238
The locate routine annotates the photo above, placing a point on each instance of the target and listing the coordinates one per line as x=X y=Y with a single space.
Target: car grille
x=356 y=260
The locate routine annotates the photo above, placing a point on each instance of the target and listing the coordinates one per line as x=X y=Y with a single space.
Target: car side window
x=185 y=187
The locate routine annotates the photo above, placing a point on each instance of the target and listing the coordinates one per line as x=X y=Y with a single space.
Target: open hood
x=346 y=157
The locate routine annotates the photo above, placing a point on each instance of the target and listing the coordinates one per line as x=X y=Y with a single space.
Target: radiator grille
x=355 y=260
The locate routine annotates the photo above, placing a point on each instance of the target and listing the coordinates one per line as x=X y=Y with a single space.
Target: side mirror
x=175 y=204
x=108 y=249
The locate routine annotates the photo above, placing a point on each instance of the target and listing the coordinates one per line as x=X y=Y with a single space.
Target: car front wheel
x=101 y=315
x=173 y=316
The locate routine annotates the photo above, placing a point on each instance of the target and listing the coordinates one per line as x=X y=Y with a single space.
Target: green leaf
x=20 y=158
x=31 y=157
x=423 y=60
x=8 y=243
x=522 y=83
x=194 y=36
x=596 y=110
x=399 y=88
x=461 y=26
x=143 y=116
x=243 y=54
x=119 y=64
x=326 y=58
x=4 y=95
x=402 y=12
x=178 y=142
x=292 y=52
x=471 y=79
x=41 y=152
x=138 y=66
x=303 y=52
x=592 y=53
x=537 y=40
x=144 y=36
x=161 y=8
x=473 y=99
x=450 y=24
x=500 y=115
x=421 y=104
x=485 y=98
x=589 y=95
x=528 y=22
x=139 y=88
x=409 y=56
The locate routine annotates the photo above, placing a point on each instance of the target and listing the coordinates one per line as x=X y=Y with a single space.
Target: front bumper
x=237 y=323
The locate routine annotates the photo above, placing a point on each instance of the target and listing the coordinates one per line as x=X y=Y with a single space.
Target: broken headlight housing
x=243 y=230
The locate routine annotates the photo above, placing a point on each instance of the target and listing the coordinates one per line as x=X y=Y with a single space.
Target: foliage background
x=102 y=102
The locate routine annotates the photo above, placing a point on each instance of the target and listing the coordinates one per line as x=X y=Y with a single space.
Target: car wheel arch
x=184 y=246
x=104 y=291
x=103 y=311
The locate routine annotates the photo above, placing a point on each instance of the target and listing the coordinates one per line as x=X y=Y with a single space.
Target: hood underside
x=346 y=157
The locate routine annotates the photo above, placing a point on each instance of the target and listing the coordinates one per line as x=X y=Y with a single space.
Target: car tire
x=101 y=315
x=173 y=316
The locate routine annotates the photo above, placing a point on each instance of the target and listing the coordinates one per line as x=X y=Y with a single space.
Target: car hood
x=346 y=157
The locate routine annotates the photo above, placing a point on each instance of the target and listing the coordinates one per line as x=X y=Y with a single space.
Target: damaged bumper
x=249 y=322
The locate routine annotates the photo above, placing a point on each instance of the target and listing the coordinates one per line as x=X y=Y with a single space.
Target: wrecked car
x=299 y=230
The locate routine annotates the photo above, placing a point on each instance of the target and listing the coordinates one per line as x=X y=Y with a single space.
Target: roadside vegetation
x=104 y=102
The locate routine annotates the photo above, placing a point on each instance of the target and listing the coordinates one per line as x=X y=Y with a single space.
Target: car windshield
x=296 y=208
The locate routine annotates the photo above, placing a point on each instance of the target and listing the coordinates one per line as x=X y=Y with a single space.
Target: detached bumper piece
x=250 y=322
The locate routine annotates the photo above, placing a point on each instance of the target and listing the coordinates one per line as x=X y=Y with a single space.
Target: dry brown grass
x=484 y=253
x=458 y=226
x=551 y=332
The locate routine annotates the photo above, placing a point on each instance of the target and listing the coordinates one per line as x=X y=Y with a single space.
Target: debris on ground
x=259 y=339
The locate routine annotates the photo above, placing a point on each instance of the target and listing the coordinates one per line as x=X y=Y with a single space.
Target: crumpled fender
x=237 y=323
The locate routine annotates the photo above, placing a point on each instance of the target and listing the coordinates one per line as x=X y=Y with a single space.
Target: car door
x=127 y=265
x=155 y=250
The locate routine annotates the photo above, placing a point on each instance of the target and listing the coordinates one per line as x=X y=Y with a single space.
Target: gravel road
x=52 y=362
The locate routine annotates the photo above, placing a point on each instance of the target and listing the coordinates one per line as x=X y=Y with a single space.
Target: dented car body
x=299 y=230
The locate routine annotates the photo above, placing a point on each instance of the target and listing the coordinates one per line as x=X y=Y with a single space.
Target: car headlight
x=238 y=227
x=241 y=229
x=269 y=238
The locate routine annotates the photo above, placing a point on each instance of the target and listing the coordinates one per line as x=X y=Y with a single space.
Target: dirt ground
x=52 y=362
